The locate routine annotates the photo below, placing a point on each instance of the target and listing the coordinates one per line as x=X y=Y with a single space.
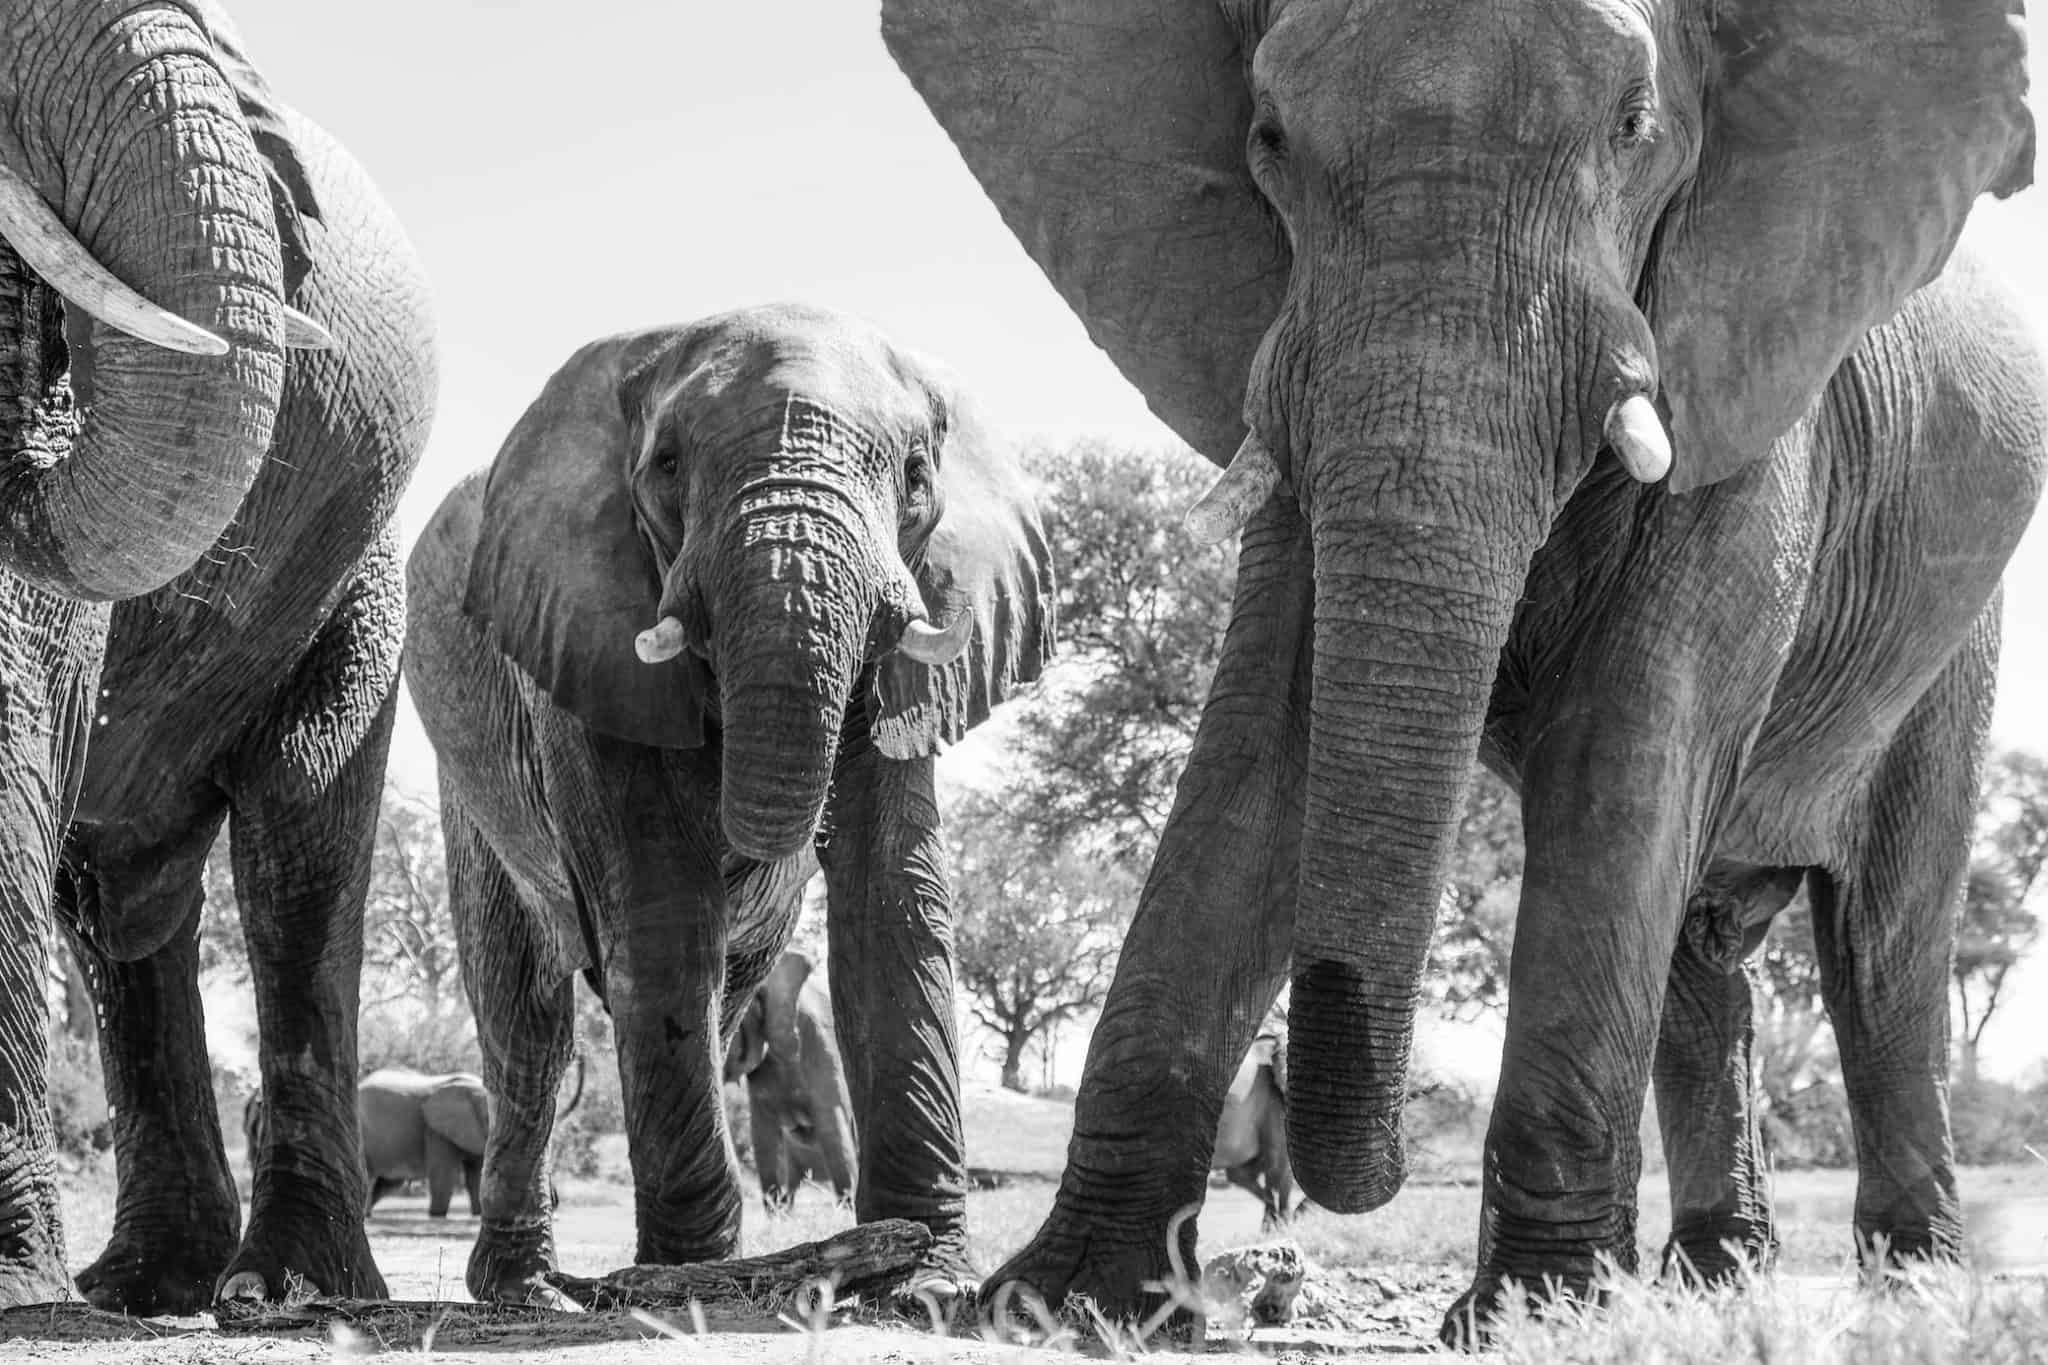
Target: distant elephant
x=173 y=229
x=787 y=1052
x=770 y=508
x=1251 y=1134
x=1608 y=410
x=421 y=1127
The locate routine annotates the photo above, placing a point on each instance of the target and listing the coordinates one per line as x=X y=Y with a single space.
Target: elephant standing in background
x=680 y=639
x=787 y=1052
x=421 y=1127
x=257 y=687
x=160 y=220
x=1604 y=413
x=1251 y=1132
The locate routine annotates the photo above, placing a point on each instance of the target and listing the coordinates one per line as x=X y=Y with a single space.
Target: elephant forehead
x=759 y=367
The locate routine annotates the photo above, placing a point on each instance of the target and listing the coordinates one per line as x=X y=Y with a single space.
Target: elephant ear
x=459 y=1112
x=291 y=188
x=987 y=557
x=561 y=578
x=1842 y=147
x=1110 y=135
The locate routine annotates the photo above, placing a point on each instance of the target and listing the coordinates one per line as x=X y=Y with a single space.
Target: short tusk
x=928 y=645
x=1637 y=435
x=301 y=333
x=661 y=642
x=48 y=247
x=1241 y=491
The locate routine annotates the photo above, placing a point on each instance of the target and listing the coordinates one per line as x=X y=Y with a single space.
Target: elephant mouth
x=40 y=397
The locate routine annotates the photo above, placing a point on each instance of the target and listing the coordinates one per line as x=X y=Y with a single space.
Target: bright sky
x=572 y=171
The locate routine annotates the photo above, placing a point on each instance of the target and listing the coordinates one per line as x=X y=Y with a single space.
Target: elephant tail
x=576 y=1095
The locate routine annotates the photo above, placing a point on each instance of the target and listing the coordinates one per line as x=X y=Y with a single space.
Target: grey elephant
x=172 y=231
x=724 y=593
x=1602 y=412
x=1251 y=1132
x=421 y=1127
x=799 y=1114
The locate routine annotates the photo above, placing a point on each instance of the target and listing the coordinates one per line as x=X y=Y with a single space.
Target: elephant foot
x=282 y=1264
x=156 y=1277
x=1718 y=1257
x=1125 y=1278
x=1469 y=1324
x=515 y=1264
x=31 y=1279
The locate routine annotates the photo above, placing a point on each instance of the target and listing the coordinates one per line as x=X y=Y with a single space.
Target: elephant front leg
x=1202 y=963
x=1721 y=1220
x=303 y=824
x=177 y=1213
x=890 y=932
x=524 y=1002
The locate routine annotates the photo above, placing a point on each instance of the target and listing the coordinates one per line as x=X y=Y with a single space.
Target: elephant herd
x=1608 y=407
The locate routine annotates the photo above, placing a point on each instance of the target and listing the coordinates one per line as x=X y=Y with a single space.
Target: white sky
x=572 y=171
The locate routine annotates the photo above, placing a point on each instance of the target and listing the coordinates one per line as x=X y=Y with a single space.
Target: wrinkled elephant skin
x=254 y=686
x=1609 y=410
x=672 y=653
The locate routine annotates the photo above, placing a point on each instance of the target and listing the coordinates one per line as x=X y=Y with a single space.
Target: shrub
x=80 y=1121
x=1995 y=1123
x=1811 y=1128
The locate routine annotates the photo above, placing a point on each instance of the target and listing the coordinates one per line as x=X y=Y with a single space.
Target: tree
x=408 y=934
x=1036 y=931
x=1995 y=922
x=1142 y=613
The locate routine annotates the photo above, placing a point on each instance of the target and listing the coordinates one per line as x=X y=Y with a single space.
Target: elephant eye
x=1636 y=125
x=917 y=486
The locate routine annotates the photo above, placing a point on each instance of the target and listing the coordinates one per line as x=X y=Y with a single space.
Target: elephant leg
x=1177 y=1021
x=1885 y=930
x=444 y=1167
x=51 y=650
x=1706 y=1092
x=304 y=792
x=472 y=1184
x=381 y=1186
x=838 y=1150
x=772 y=1161
x=177 y=1213
x=524 y=1002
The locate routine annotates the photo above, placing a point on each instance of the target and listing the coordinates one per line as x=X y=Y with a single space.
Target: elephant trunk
x=790 y=638
x=1421 y=548
x=162 y=184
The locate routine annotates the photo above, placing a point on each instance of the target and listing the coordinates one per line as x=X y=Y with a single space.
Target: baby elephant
x=1251 y=1136
x=787 y=1053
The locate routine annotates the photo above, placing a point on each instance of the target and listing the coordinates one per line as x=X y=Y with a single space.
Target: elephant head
x=769 y=1026
x=754 y=522
x=1430 y=264
x=153 y=215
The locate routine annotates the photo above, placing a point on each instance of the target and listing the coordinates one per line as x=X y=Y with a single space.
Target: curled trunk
x=163 y=185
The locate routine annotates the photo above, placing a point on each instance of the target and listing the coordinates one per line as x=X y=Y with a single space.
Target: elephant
x=1607 y=408
x=674 y=651
x=799 y=1113
x=182 y=254
x=249 y=676
x=416 y=1127
x=1251 y=1132
x=421 y=1127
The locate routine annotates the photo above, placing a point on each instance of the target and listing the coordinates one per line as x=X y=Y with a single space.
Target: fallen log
x=867 y=1260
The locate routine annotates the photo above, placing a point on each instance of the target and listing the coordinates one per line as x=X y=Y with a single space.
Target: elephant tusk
x=1241 y=490
x=40 y=238
x=661 y=642
x=1637 y=435
x=301 y=333
x=928 y=645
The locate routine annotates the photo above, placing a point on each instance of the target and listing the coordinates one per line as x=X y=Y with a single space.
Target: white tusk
x=661 y=642
x=1241 y=490
x=1637 y=435
x=929 y=645
x=301 y=333
x=48 y=247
